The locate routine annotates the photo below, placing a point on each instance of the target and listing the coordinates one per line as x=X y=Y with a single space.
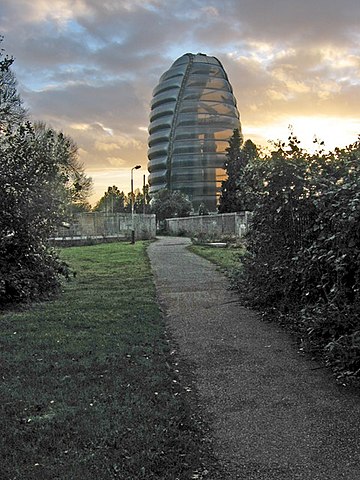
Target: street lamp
x=132 y=203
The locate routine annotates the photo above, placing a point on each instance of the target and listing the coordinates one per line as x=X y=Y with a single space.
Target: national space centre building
x=193 y=115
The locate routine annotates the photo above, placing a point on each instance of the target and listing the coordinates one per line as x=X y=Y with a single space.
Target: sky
x=88 y=68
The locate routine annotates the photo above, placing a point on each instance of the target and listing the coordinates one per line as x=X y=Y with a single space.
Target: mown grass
x=89 y=389
x=226 y=258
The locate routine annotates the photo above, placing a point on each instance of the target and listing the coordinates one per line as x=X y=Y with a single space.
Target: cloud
x=58 y=12
x=291 y=21
x=89 y=68
x=115 y=105
x=121 y=142
x=116 y=161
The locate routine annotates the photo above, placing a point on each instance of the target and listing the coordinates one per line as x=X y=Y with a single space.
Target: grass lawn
x=226 y=258
x=89 y=387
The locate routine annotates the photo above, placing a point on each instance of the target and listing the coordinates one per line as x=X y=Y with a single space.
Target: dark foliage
x=40 y=177
x=167 y=204
x=303 y=258
x=31 y=187
x=203 y=210
x=238 y=156
x=113 y=201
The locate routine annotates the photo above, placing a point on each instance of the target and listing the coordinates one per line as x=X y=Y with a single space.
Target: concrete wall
x=213 y=226
x=108 y=225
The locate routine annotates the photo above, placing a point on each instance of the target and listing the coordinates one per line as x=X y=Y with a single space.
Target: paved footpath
x=275 y=414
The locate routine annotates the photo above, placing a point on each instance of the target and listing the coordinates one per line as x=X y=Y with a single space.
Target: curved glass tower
x=193 y=115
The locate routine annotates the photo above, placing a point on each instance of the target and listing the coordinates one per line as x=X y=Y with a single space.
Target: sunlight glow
x=335 y=132
x=113 y=176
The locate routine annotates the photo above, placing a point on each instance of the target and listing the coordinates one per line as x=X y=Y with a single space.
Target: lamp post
x=132 y=203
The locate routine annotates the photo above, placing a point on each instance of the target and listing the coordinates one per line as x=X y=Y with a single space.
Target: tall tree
x=39 y=171
x=78 y=186
x=142 y=200
x=232 y=167
x=247 y=181
x=237 y=158
x=113 y=201
x=12 y=112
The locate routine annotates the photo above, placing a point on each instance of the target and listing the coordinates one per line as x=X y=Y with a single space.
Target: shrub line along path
x=274 y=414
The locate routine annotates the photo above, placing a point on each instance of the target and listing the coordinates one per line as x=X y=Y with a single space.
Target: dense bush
x=31 y=194
x=303 y=259
x=168 y=204
x=40 y=177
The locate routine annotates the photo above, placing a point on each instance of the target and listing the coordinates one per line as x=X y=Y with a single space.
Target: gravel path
x=275 y=414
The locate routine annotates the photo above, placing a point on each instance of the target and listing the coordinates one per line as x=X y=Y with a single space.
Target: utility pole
x=144 y=198
x=132 y=203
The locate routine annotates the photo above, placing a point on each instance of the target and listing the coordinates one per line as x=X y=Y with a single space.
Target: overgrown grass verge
x=89 y=389
x=227 y=258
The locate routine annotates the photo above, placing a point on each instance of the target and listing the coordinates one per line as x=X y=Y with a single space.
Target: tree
x=32 y=199
x=232 y=166
x=203 y=210
x=237 y=158
x=113 y=201
x=83 y=207
x=12 y=112
x=78 y=186
x=5 y=61
x=140 y=198
x=39 y=175
x=167 y=204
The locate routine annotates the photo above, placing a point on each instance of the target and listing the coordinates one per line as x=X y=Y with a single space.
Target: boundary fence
x=215 y=226
x=107 y=227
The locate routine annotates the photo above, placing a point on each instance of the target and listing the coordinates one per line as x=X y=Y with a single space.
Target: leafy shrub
x=303 y=247
x=344 y=354
x=277 y=230
x=168 y=204
x=39 y=176
x=31 y=193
